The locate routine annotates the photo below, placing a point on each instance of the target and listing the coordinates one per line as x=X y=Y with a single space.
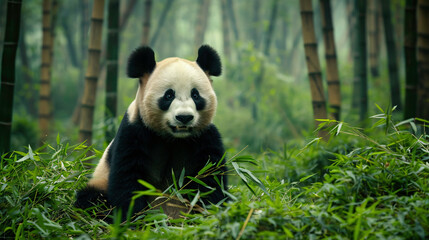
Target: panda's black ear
x=209 y=60
x=140 y=62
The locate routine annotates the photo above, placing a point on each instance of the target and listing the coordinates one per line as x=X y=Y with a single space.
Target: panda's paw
x=89 y=197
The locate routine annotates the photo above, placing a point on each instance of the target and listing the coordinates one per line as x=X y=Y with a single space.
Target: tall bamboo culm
x=201 y=24
x=410 y=43
x=225 y=30
x=45 y=72
x=395 y=92
x=332 y=77
x=373 y=34
x=112 y=69
x=423 y=58
x=11 y=37
x=92 y=71
x=360 y=59
x=146 y=22
x=313 y=64
x=161 y=21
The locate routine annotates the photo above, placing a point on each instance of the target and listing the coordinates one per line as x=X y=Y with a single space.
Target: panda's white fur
x=100 y=177
x=167 y=127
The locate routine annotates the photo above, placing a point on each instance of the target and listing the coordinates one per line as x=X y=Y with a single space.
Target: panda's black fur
x=139 y=152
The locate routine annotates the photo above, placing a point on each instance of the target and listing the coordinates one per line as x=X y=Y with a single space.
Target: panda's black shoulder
x=131 y=136
x=211 y=137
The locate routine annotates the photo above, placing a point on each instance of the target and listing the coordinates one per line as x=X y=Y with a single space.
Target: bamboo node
x=6 y=123
x=310 y=44
x=94 y=50
x=10 y=43
x=97 y=19
x=89 y=132
x=45 y=98
x=330 y=56
x=45 y=116
x=334 y=82
x=92 y=78
x=315 y=73
x=8 y=83
x=87 y=106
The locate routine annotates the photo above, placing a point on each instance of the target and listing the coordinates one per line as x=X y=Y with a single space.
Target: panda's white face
x=177 y=99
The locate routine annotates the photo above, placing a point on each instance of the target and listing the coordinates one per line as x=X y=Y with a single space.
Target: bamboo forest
x=214 y=119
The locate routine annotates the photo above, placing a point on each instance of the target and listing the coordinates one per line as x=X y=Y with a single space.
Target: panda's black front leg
x=123 y=182
x=215 y=155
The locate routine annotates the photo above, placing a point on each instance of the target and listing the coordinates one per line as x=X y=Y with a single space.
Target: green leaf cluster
x=363 y=183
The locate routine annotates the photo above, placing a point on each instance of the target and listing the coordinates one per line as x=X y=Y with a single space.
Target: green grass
x=364 y=183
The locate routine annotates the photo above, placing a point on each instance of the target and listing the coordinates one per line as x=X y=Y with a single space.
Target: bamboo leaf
x=204 y=169
x=194 y=201
x=422 y=120
x=199 y=182
x=23 y=158
x=379 y=108
x=221 y=160
x=237 y=170
x=339 y=126
x=146 y=184
x=404 y=122
x=208 y=192
x=246 y=159
x=181 y=178
x=139 y=194
x=306 y=177
x=414 y=127
x=255 y=180
x=174 y=179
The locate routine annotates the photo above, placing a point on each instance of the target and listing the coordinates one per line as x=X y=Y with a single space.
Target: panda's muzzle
x=177 y=129
x=182 y=124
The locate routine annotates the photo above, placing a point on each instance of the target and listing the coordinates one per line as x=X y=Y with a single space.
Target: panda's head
x=175 y=96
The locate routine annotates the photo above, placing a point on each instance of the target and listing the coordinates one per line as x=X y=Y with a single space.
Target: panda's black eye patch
x=169 y=95
x=200 y=102
x=165 y=101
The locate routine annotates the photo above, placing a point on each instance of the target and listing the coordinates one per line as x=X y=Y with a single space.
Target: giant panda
x=168 y=127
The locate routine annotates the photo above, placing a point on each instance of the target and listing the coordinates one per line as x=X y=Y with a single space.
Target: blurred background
x=264 y=94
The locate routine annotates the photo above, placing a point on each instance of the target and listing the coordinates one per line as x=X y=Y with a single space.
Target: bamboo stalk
x=395 y=92
x=410 y=43
x=231 y=14
x=161 y=22
x=313 y=65
x=146 y=22
x=255 y=23
x=332 y=76
x=225 y=30
x=112 y=67
x=372 y=37
x=423 y=58
x=45 y=72
x=361 y=59
x=92 y=71
x=269 y=35
x=10 y=44
x=201 y=25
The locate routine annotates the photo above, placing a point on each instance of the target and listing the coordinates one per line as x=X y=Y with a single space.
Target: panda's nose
x=184 y=118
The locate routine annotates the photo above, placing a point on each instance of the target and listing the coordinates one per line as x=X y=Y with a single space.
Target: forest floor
x=363 y=183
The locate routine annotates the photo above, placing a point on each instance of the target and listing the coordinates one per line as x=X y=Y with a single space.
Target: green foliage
x=283 y=109
x=24 y=130
x=363 y=183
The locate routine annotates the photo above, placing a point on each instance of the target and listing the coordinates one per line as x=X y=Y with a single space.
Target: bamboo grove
x=74 y=51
